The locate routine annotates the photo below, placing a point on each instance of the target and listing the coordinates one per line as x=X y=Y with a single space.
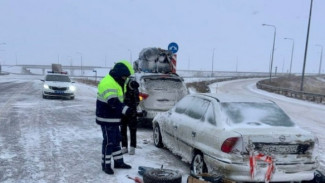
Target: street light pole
x=293 y=45
x=95 y=75
x=0 y=50
x=212 y=61
x=320 y=60
x=306 y=48
x=272 y=49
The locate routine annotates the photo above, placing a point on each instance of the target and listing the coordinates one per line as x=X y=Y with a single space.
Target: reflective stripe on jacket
x=109 y=105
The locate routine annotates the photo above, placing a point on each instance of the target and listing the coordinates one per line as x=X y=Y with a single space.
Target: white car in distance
x=58 y=85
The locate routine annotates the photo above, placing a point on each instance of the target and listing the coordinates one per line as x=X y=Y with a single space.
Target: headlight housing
x=46 y=86
x=72 y=88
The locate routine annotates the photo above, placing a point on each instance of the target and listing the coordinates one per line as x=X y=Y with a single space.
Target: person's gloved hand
x=131 y=112
x=142 y=114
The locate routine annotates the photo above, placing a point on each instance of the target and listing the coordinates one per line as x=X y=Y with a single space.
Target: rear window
x=183 y=104
x=256 y=113
x=162 y=82
x=59 y=78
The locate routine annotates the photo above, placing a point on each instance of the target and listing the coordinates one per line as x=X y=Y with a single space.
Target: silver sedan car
x=243 y=139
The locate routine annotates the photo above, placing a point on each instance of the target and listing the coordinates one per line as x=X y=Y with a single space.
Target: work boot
x=132 y=151
x=122 y=166
x=108 y=170
x=124 y=150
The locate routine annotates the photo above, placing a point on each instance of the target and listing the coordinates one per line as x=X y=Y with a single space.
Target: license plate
x=59 y=92
x=280 y=149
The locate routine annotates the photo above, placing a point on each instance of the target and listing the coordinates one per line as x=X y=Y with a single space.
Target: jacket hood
x=120 y=69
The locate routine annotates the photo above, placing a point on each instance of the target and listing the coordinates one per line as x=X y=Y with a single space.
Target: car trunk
x=163 y=92
x=286 y=146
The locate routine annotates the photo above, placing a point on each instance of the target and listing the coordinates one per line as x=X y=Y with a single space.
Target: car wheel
x=198 y=165
x=157 y=140
x=162 y=176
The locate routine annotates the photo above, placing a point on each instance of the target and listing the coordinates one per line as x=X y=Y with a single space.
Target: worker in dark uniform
x=132 y=100
x=109 y=111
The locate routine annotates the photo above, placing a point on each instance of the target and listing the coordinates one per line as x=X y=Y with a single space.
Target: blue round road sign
x=173 y=47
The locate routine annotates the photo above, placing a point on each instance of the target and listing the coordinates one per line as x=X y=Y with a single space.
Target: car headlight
x=46 y=86
x=72 y=88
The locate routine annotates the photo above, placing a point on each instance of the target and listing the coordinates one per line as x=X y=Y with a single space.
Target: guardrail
x=318 y=98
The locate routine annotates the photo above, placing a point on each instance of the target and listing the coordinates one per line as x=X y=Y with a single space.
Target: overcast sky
x=105 y=31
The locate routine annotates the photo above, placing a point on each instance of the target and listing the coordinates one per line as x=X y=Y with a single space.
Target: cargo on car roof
x=155 y=60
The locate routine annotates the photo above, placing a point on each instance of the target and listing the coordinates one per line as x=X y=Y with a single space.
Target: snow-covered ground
x=43 y=140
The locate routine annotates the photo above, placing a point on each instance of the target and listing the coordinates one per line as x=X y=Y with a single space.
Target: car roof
x=226 y=98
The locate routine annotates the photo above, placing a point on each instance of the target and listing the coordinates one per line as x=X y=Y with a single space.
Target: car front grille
x=58 y=94
x=58 y=88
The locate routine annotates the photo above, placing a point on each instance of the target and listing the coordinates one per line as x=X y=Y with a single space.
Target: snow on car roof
x=140 y=75
x=153 y=74
x=223 y=98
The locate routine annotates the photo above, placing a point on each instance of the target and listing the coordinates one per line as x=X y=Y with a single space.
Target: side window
x=182 y=105
x=197 y=108
x=209 y=116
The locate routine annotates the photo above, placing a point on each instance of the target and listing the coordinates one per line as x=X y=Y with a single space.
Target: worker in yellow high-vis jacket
x=109 y=111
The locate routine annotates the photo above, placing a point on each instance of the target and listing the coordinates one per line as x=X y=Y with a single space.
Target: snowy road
x=45 y=140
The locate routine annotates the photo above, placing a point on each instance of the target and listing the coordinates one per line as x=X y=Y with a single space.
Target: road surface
x=54 y=140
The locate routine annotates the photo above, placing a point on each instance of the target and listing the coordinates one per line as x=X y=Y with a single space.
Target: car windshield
x=59 y=78
x=257 y=113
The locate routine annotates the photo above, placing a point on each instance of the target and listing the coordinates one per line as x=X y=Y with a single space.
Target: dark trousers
x=111 y=145
x=132 y=124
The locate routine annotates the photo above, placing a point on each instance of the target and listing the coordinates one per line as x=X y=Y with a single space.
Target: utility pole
x=81 y=71
x=272 y=49
x=236 y=63
x=212 y=61
x=276 y=69
x=283 y=65
x=306 y=48
x=320 y=60
x=293 y=45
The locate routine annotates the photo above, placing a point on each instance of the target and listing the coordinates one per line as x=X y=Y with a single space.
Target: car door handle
x=193 y=134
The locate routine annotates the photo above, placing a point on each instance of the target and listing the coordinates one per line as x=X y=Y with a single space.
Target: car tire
x=157 y=140
x=198 y=165
x=44 y=96
x=162 y=176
